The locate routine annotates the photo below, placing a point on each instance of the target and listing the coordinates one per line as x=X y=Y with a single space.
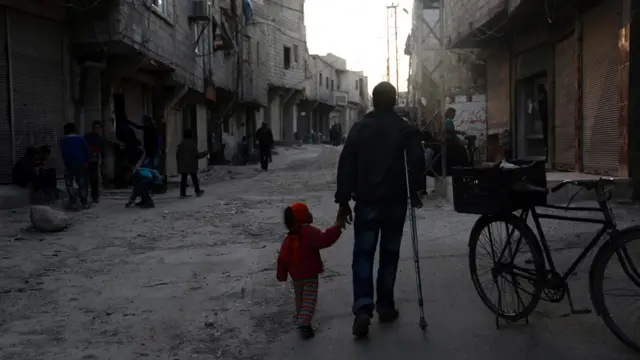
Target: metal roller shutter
x=6 y=144
x=565 y=103
x=38 y=82
x=601 y=89
x=498 y=92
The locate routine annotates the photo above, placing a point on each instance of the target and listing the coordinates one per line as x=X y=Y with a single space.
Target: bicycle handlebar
x=585 y=184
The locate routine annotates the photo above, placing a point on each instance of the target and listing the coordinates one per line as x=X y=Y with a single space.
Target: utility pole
x=395 y=19
x=392 y=11
x=443 y=102
x=388 y=46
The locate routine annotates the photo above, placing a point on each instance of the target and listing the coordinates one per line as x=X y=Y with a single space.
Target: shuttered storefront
x=498 y=91
x=565 y=103
x=6 y=143
x=37 y=75
x=601 y=89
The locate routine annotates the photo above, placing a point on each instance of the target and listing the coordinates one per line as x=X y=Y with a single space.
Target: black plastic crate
x=489 y=190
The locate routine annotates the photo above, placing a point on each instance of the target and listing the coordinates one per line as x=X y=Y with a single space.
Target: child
x=300 y=258
x=143 y=179
x=75 y=155
x=187 y=157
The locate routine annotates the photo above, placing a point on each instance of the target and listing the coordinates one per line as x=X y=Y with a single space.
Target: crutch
x=414 y=243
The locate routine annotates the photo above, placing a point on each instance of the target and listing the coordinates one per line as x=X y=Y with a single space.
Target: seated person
x=46 y=174
x=143 y=180
x=25 y=171
x=456 y=155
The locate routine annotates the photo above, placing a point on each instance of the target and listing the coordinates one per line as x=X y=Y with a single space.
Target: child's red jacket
x=308 y=263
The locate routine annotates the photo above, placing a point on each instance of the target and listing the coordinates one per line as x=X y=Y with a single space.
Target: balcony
x=254 y=90
x=465 y=21
x=341 y=98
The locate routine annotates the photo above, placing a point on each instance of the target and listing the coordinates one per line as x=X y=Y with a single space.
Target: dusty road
x=195 y=279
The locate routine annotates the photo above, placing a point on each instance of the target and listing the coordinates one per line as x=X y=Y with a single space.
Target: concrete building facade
x=435 y=72
x=570 y=65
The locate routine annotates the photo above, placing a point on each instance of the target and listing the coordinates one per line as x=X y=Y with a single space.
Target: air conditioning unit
x=200 y=10
x=341 y=100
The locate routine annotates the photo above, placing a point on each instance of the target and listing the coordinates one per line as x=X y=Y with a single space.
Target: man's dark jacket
x=372 y=164
x=265 y=138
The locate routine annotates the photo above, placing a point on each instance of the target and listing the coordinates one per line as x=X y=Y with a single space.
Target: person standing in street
x=371 y=170
x=96 y=142
x=187 y=157
x=152 y=144
x=264 y=137
x=75 y=155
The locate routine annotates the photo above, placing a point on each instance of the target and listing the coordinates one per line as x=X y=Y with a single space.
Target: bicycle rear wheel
x=516 y=266
x=615 y=281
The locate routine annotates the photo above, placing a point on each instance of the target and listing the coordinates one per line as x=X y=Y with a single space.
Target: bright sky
x=357 y=31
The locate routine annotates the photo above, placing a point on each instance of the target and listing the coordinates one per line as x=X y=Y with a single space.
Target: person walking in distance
x=371 y=170
x=187 y=157
x=264 y=136
x=75 y=155
x=96 y=142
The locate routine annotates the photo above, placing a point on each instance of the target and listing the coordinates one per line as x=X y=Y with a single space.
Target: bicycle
x=541 y=275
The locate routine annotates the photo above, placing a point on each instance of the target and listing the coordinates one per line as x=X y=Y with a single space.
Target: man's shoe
x=307 y=332
x=361 y=325
x=388 y=316
x=96 y=201
x=200 y=193
x=184 y=196
x=148 y=205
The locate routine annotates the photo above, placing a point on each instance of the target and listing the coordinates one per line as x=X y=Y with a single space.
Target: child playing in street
x=300 y=258
x=143 y=180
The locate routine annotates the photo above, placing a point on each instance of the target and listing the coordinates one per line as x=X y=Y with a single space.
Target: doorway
x=530 y=138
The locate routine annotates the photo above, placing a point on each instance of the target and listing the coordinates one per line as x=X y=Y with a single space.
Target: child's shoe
x=307 y=332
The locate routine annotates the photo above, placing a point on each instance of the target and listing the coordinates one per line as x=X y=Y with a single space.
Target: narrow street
x=195 y=279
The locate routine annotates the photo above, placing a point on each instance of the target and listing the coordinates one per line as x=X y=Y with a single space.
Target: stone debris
x=46 y=219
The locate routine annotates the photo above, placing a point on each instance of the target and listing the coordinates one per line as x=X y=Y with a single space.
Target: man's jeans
x=385 y=220
x=79 y=176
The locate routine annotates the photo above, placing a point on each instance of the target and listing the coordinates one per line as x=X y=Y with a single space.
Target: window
x=160 y=5
x=331 y=84
x=197 y=38
x=356 y=84
x=327 y=82
x=287 y=57
x=246 y=49
x=320 y=76
x=257 y=53
x=295 y=53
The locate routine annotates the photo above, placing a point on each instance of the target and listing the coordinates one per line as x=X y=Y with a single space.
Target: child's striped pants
x=306 y=292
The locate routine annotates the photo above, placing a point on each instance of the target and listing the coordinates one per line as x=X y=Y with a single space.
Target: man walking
x=264 y=136
x=371 y=170
x=96 y=142
x=187 y=157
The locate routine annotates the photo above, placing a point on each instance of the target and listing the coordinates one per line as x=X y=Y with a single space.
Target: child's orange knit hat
x=301 y=212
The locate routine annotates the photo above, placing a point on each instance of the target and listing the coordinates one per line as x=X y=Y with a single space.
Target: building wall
x=280 y=24
x=166 y=35
x=463 y=15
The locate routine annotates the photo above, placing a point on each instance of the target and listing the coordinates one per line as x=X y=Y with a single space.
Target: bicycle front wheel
x=615 y=286
x=511 y=280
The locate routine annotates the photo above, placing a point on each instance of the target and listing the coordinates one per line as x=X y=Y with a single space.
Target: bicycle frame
x=607 y=225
